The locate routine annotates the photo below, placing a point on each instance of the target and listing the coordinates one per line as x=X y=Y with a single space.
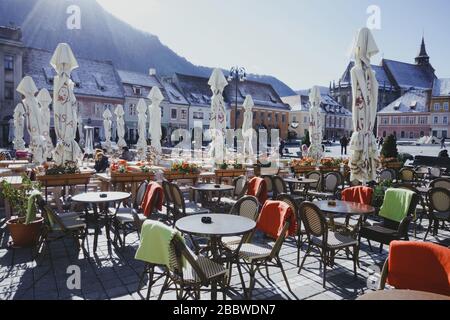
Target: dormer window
x=137 y=90
x=272 y=98
x=100 y=83
x=397 y=105
x=175 y=96
x=49 y=75
x=76 y=79
x=413 y=105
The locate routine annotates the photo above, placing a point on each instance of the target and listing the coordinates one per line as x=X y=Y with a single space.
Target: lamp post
x=237 y=74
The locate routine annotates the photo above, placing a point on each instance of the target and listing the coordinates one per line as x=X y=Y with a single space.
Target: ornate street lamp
x=237 y=74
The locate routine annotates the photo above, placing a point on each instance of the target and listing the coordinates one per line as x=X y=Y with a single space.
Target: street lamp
x=237 y=74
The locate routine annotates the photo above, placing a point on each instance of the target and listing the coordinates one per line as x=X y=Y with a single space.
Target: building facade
x=439 y=109
x=407 y=118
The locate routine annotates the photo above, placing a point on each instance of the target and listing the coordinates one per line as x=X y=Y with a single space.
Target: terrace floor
x=113 y=273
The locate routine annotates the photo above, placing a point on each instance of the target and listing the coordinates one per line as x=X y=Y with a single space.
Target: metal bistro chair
x=440 y=183
x=200 y=272
x=168 y=201
x=59 y=226
x=439 y=201
x=330 y=187
x=301 y=232
x=328 y=243
x=386 y=175
x=269 y=184
x=407 y=175
x=182 y=208
x=240 y=188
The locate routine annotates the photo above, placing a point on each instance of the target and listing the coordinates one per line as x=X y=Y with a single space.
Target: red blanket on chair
x=362 y=195
x=273 y=218
x=153 y=190
x=254 y=186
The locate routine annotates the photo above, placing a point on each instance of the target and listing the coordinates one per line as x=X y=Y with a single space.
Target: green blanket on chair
x=396 y=204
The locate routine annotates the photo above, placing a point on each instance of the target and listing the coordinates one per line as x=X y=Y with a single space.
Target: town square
x=180 y=150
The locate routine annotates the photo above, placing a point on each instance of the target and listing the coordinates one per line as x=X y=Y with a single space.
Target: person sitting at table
x=443 y=154
x=127 y=155
x=101 y=162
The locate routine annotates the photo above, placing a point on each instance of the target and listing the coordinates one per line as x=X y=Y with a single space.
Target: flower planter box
x=130 y=177
x=64 y=179
x=329 y=169
x=303 y=170
x=174 y=175
x=230 y=173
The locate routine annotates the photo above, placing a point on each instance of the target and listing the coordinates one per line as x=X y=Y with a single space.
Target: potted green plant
x=25 y=227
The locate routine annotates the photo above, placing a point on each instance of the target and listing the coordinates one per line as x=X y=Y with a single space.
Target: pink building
x=407 y=118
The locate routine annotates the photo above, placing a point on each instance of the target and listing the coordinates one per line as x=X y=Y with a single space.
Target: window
x=283 y=118
x=423 y=120
x=445 y=106
x=262 y=116
x=9 y=62
x=394 y=120
x=173 y=114
x=385 y=120
x=277 y=117
x=412 y=120
x=384 y=134
x=137 y=91
x=269 y=117
x=445 y=120
x=9 y=91
x=132 y=109
x=198 y=115
x=305 y=120
x=444 y=134
x=422 y=134
x=402 y=135
x=436 y=120
x=294 y=119
x=437 y=107
x=183 y=114
x=404 y=121
x=395 y=134
x=340 y=122
x=411 y=135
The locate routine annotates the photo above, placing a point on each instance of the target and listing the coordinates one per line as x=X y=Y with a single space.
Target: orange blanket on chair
x=254 y=186
x=362 y=195
x=153 y=190
x=273 y=218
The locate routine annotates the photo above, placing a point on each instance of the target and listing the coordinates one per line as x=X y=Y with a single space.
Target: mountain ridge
x=103 y=36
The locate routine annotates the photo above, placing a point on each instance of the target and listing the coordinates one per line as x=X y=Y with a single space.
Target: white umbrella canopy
x=142 y=129
x=247 y=128
x=35 y=124
x=365 y=158
x=107 y=125
x=154 y=116
x=218 y=122
x=45 y=100
x=19 y=126
x=315 y=125
x=65 y=106
x=120 y=113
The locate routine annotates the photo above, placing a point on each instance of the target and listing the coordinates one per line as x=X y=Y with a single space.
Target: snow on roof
x=441 y=88
x=410 y=75
x=139 y=79
x=413 y=101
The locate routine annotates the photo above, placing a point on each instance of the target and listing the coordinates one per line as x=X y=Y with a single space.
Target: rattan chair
x=253 y=257
x=301 y=232
x=328 y=243
x=168 y=201
x=331 y=184
x=269 y=184
x=440 y=183
x=388 y=230
x=439 y=201
x=182 y=208
x=279 y=186
x=435 y=173
x=386 y=175
x=422 y=207
x=240 y=185
x=407 y=175
x=59 y=226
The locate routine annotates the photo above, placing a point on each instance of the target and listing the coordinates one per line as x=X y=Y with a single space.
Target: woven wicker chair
x=240 y=185
x=440 y=183
x=301 y=232
x=435 y=173
x=407 y=175
x=59 y=226
x=439 y=200
x=168 y=201
x=422 y=207
x=279 y=186
x=181 y=208
x=388 y=230
x=328 y=243
x=386 y=175
x=331 y=184
x=254 y=257
x=269 y=184
x=200 y=272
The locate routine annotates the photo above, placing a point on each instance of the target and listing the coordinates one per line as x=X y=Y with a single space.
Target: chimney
x=152 y=72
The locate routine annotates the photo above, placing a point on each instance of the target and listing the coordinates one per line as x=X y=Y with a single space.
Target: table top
x=223 y=225
x=345 y=207
x=94 y=197
x=402 y=295
x=302 y=181
x=16 y=181
x=5 y=163
x=5 y=172
x=212 y=187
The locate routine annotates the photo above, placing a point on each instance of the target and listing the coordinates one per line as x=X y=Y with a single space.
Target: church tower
x=423 y=58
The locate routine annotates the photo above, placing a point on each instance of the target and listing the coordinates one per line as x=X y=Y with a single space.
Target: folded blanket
x=362 y=195
x=396 y=204
x=153 y=190
x=273 y=218
x=254 y=186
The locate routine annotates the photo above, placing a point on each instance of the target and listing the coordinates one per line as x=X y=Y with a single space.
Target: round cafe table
x=300 y=181
x=344 y=208
x=384 y=295
x=96 y=198
x=223 y=225
x=204 y=189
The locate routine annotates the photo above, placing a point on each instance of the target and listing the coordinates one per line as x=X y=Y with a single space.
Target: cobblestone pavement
x=113 y=273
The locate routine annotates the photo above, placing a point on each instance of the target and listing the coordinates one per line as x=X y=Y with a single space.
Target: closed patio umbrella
x=142 y=129
x=28 y=89
x=120 y=113
x=107 y=125
x=154 y=116
x=65 y=106
x=247 y=129
x=218 y=122
x=315 y=125
x=19 y=126
x=82 y=142
x=364 y=159
x=45 y=100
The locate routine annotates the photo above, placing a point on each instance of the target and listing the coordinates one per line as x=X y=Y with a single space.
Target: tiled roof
x=195 y=89
x=441 y=88
x=380 y=73
x=413 y=101
x=328 y=104
x=92 y=78
x=173 y=94
x=408 y=75
x=139 y=79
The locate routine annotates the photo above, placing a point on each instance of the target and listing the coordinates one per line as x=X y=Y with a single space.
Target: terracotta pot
x=25 y=236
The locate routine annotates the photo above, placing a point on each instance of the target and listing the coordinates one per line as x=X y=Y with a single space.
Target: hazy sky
x=302 y=42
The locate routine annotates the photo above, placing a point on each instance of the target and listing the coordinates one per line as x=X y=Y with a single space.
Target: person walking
x=443 y=143
x=380 y=143
x=344 y=144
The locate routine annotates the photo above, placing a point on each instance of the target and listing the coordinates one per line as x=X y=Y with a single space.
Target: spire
x=423 y=58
